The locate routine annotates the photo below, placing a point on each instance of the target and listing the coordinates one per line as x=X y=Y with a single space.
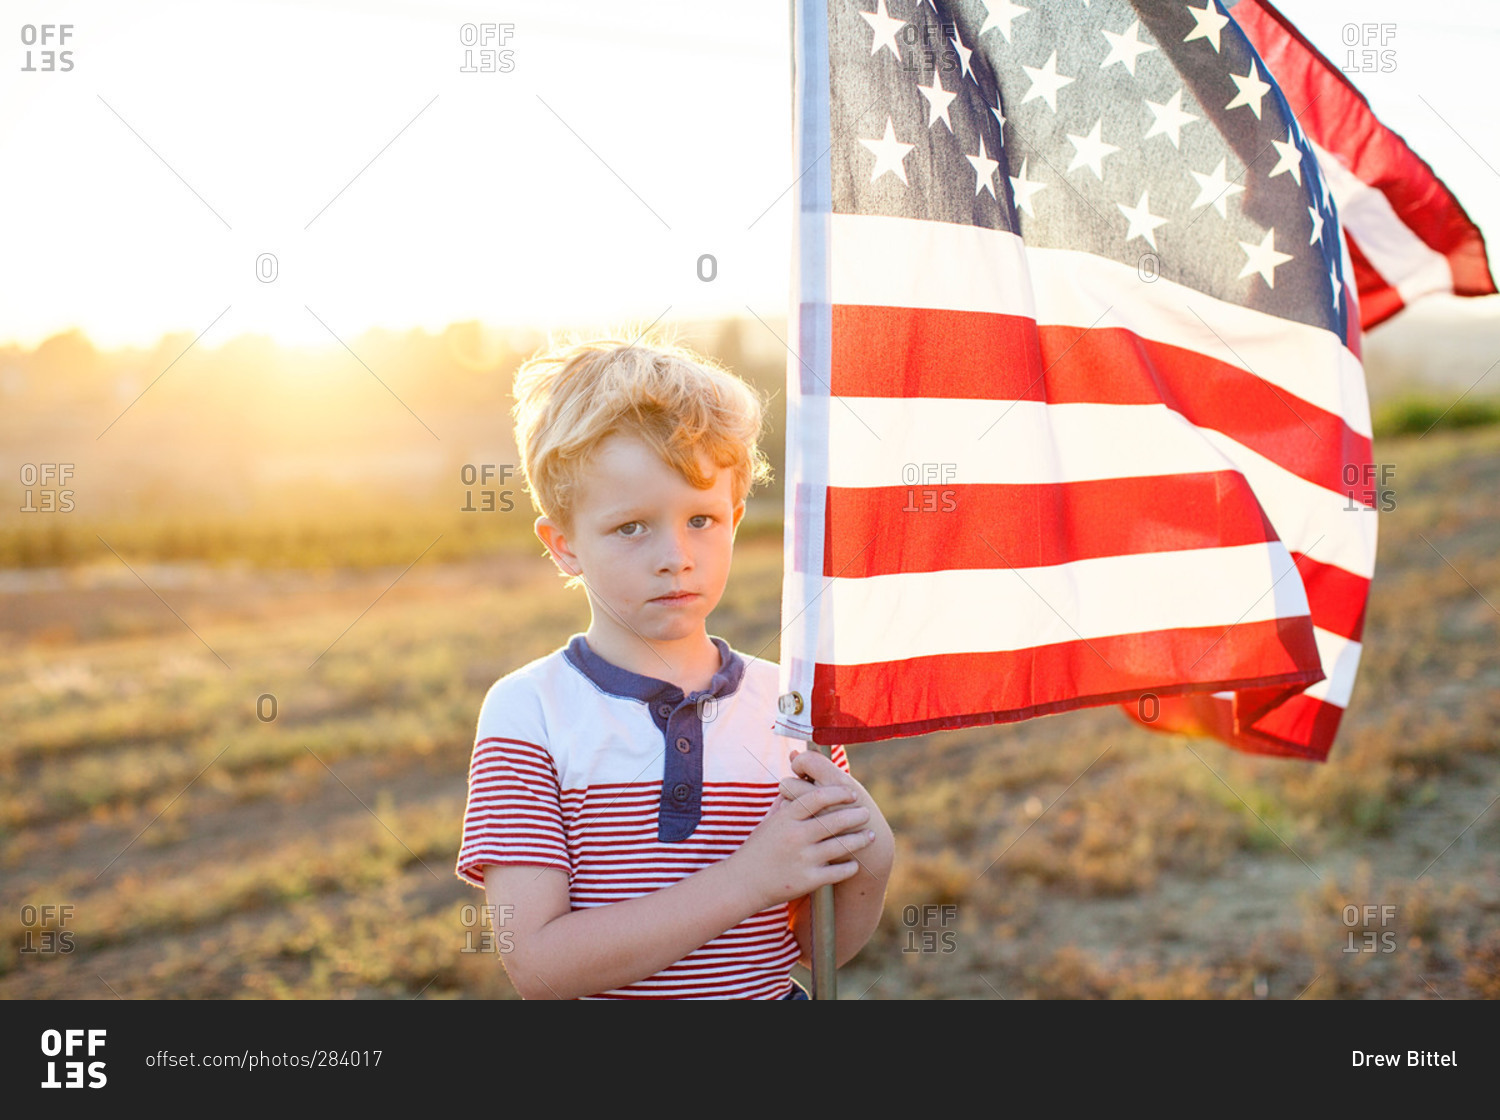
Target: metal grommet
x=790 y=703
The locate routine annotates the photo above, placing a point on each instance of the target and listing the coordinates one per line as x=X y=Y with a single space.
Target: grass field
x=205 y=852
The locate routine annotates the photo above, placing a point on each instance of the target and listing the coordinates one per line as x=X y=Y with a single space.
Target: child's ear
x=551 y=534
x=739 y=512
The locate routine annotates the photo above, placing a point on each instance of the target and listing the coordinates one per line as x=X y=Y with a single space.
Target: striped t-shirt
x=628 y=785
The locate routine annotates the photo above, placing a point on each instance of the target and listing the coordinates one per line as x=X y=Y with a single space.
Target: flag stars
x=1208 y=22
x=885 y=29
x=998 y=15
x=1335 y=283
x=1322 y=183
x=984 y=168
x=1215 y=189
x=1045 y=82
x=1290 y=158
x=1169 y=119
x=1297 y=125
x=1142 y=222
x=963 y=52
x=938 y=100
x=1125 y=48
x=998 y=108
x=1090 y=151
x=1023 y=188
x=1251 y=90
x=890 y=154
x=1317 y=221
x=1263 y=258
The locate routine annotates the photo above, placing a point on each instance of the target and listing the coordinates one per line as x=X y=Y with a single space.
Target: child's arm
x=858 y=900
x=554 y=952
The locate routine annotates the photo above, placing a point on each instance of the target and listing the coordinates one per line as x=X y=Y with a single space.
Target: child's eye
x=627 y=525
x=703 y=517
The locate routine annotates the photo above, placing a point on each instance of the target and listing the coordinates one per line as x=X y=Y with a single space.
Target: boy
x=638 y=829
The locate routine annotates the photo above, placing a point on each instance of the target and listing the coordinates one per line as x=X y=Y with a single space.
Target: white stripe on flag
x=1340 y=660
x=921 y=614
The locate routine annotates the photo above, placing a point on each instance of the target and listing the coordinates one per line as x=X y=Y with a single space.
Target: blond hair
x=572 y=395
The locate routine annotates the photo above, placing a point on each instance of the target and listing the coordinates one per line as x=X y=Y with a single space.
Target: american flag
x=1408 y=236
x=1076 y=390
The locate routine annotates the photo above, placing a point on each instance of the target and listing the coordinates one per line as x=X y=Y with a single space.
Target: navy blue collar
x=613 y=679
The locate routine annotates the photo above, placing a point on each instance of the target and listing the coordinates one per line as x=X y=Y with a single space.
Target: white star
x=1317 y=221
x=1252 y=89
x=1209 y=23
x=1023 y=188
x=1091 y=151
x=1142 y=222
x=889 y=154
x=1169 y=119
x=999 y=13
x=1263 y=258
x=1045 y=82
x=1124 y=48
x=962 y=51
x=1335 y=283
x=885 y=29
x=938 y=100
x=984 y=168
x=999 y=110
x=1290 y=158
x=1214 y=189
x=1322 y=184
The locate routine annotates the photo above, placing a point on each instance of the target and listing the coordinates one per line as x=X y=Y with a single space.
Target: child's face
x=641 y=531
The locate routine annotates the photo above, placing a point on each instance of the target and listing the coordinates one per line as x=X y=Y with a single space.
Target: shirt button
x=680 y=791
x=684 y=746
x=664 y=710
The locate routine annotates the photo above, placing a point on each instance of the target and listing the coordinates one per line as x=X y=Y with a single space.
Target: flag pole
x=824 y=962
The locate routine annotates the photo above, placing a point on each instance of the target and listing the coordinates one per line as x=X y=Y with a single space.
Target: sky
x=621 y=162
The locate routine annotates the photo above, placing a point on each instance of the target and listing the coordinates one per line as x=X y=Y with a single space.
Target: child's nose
x=676 y=554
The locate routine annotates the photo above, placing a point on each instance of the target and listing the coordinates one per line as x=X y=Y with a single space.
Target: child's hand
x=809 y=839
x=815 y=771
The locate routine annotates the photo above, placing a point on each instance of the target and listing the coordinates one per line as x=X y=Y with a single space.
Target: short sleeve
x=514 y=813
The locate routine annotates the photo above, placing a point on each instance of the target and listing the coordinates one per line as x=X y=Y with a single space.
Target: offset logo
x=496 y=59
x=45 y=487
x=34 y=35
x=490 y=500
x=66 y=1044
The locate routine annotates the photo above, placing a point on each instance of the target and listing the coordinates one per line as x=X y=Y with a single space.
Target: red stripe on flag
x=1211 y=394
x=928 y=352
x=1378 y=301
x=1073 y=520
x=905 y=352
x=1011 y=685
x=1336 y=599
x=1300 y=727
